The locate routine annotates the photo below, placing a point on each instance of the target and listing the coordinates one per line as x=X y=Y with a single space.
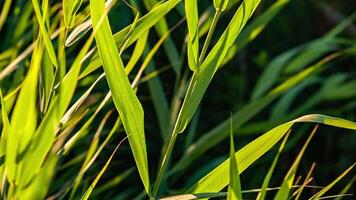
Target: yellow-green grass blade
x=35 y=155
x=137 y=53
x=24 y=116
x=80 y=30
x=70 y=8
x=70 y=80
x=201 y=81
x=5 y=128
x=46 y=82
x=332 y=184
x=4 y=12
x=234 y=188
x=40 y=184
x=288 y=180
x=97 y=178
x=45 y=134
x=84 y=129
x=46 y=37
x=304 y=184
x=191 y=12
x=216 y=179
x=262 y=194
x=220 y=4
x=113 y=182
x=125 y=100
x=142 y=26
x=347 y=187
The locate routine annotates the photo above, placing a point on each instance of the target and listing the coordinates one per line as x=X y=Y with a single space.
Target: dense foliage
x=177 y=99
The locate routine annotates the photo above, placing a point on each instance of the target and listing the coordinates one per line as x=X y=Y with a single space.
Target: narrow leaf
x=125 y=100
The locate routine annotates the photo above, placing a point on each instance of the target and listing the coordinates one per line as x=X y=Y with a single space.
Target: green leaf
x=234 y=189
x=24 y=116
x=191 y=12
x=216 y=179
x=220 y=5
x=46 y=38
x=4 y=12
x=142 y=26
x=70 y=8
x=200 y=82
x=125 y=100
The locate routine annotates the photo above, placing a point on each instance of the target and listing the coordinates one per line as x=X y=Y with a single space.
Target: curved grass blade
x=125 y=100
x=216 y=181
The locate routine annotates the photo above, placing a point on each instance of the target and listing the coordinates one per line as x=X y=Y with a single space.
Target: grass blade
x=213 y=182
x=125 y=100
x=234 y=189
x=288 y=180
x=262 y=194
x=70 y=8
x=46 y=37
x=191 y=12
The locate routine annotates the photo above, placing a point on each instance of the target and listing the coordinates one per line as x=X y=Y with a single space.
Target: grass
x=75 y=85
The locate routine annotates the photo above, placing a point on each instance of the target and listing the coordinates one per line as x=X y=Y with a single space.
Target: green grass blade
x=93 y=184
x=125 y=100
x=220 y=4
x=70 y=8
x=234 y=189
x=142 y=26
x=46 y=37
x=24 y=116
x=191 y=12
x=137 y=53
x=201 y=81
x=4 y=12
x=262 y=194
x=214 y=181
